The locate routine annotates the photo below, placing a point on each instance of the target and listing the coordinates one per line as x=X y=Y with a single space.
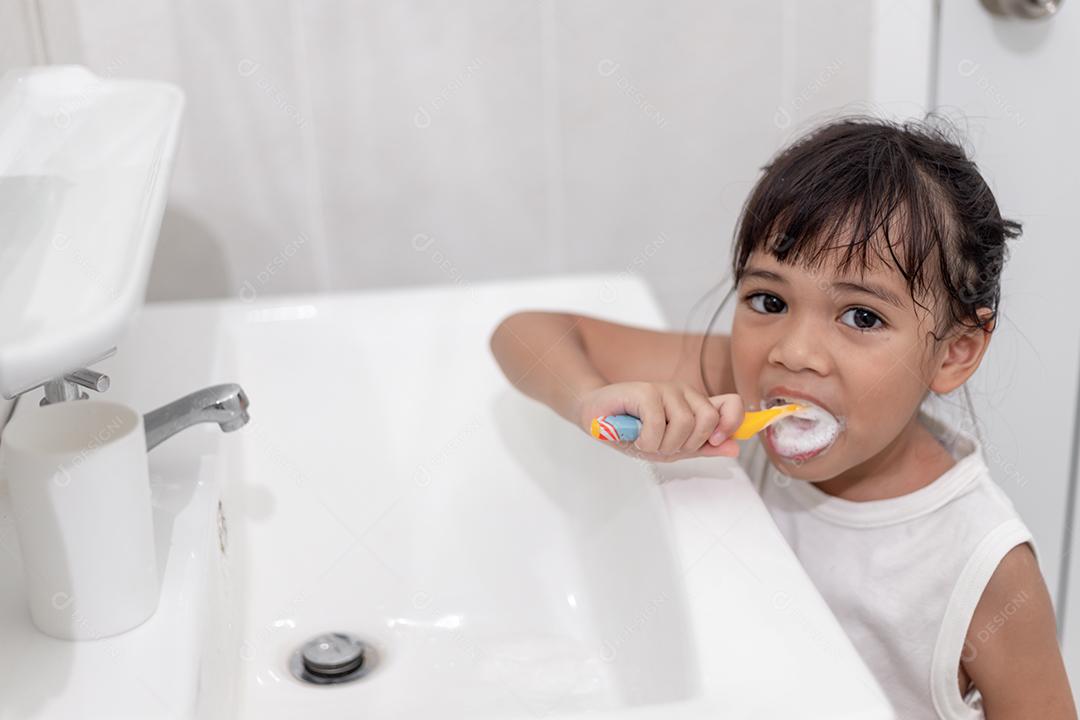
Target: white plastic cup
x=80 y=492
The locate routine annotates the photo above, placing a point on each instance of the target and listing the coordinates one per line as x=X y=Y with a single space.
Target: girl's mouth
x=805 y=434
x=787 y=453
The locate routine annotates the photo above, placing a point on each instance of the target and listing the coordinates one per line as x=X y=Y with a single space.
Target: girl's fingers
x=728 y=448
x=676 y=422
x=730 y=408
x=650 y=410
x=706 y=419
x=680 y=423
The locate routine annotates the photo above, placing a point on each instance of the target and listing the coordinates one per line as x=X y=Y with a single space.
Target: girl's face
x=855 y=345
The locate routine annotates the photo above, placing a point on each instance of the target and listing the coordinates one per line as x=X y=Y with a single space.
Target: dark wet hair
x=862 y=184
x=905 y=192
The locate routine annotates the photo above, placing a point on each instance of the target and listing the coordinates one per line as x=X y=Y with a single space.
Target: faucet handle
x=67 y=387
x=92 y=379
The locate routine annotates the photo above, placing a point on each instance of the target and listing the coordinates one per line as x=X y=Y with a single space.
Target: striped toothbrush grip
x=616 y=428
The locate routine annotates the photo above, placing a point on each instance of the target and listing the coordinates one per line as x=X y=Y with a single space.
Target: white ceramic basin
x=393 y=485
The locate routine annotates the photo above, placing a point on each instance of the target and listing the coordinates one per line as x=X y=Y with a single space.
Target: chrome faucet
x=224 y=404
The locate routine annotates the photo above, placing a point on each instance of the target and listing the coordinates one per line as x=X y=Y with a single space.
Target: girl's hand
x=677 y=421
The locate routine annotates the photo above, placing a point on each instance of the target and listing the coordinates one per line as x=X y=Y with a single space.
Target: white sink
x=393 y=485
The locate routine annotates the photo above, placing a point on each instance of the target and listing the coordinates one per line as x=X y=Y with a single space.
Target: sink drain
x=333 y=658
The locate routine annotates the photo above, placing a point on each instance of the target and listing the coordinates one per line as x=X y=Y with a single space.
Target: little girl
x=867 y=263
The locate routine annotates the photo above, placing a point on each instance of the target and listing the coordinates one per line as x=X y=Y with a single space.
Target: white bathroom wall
x=17 y=36
x=334 y=145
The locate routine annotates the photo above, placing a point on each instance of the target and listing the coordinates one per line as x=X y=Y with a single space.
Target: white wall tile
x=666 y=115
x=17 y=35
x=428 y=139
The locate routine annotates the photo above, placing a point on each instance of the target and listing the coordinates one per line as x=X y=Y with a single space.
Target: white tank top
x=902 y=575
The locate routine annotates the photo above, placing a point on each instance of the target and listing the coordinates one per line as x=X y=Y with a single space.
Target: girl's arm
x=556 y=357
x=1011 y=653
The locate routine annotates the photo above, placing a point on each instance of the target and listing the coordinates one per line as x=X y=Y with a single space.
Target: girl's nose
x=801 y=346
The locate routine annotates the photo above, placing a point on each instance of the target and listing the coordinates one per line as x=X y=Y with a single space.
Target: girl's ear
x=962 y=356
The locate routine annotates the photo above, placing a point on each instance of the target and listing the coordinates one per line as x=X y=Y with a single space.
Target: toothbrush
x=626 y=428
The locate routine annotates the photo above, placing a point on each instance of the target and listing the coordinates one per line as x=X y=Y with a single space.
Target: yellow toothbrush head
x=758 y=420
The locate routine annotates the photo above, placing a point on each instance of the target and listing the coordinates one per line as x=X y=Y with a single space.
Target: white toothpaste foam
x=805 y=431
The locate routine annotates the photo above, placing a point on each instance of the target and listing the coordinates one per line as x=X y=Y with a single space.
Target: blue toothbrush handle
x=616 y=428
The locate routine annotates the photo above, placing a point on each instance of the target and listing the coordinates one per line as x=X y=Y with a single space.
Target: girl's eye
x=765 y=303
x=863 y=319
